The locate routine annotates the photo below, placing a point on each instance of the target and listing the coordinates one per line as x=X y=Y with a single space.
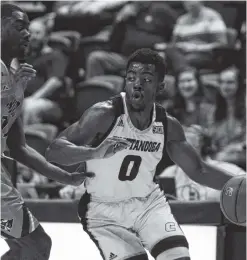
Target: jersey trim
x=161 y=116
x=83 y=207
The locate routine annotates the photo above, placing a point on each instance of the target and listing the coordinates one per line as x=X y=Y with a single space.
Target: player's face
x=187 y=84
x=16 y=34
x=38 y=34
x=228 y=84
x=141 y=84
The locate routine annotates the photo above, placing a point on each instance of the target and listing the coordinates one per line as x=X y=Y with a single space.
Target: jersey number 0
x=129 y=168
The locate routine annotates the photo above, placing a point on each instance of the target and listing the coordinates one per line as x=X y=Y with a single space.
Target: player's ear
x=161 y=88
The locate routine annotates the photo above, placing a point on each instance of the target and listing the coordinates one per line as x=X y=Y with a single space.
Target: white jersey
x=129 y=173
x=11 y=103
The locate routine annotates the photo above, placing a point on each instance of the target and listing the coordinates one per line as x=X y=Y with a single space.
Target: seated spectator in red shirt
x=195 y=35
x=137 y=25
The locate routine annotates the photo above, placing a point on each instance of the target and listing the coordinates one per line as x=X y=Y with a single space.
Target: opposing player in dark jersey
x=123 y=210
x=24 y=235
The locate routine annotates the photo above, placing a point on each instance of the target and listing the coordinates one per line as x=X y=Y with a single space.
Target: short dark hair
x=8 y=9
x=148 y=56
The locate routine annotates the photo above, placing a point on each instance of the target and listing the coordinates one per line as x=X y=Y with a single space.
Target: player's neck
x=141 y=119
x=6 y=58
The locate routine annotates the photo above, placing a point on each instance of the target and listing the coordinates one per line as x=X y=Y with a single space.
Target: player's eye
x=130 y=78
x=147 y=80
x=19 y=27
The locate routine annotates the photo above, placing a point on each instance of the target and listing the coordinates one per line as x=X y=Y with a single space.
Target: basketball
x=233 y=200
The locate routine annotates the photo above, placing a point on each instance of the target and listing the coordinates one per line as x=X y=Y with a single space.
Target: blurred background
x=80 y=49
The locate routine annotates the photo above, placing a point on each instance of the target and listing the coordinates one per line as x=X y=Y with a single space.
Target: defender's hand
x=79 y=176
x=24 y=73
x=111 y=146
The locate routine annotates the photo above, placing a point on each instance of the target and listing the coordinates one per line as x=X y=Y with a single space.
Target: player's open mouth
x=137 y=95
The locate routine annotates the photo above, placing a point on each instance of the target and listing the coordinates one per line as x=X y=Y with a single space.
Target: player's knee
x=171 y=248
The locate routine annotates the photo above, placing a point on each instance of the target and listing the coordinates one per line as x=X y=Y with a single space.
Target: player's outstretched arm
x=186 y=157
x=75 y=144
x=21 y=152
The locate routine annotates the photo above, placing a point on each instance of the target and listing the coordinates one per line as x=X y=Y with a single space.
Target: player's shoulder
x=173 y=123
x=4 y=70
x=101 y=115
x=174 y=129
x=5 y=87
x=100 y=110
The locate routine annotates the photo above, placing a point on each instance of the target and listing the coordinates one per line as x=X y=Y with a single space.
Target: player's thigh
x=114 y=241
x=16 y=219
x=161 y=234
x=118 y=243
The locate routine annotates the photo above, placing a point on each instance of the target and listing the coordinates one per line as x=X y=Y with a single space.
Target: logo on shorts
x=229 y=191
x=170 y=226
x=120 y=123
x=112 y=256
x=6 y=224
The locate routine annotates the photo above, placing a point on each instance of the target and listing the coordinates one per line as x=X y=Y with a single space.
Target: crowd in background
x=80 y=49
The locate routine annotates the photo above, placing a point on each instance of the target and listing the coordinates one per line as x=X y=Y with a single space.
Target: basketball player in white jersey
x=24 y=235
x=123 y=209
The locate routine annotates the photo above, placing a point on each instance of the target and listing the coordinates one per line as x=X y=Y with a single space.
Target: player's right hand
x=24 y=73
x=111 y=146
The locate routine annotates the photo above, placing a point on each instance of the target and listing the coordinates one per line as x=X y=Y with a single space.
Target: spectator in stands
x=229 y=129
x=195 y=35
x=50 y=64
x=188 y=190
x=189 y=105
x=137 y=25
